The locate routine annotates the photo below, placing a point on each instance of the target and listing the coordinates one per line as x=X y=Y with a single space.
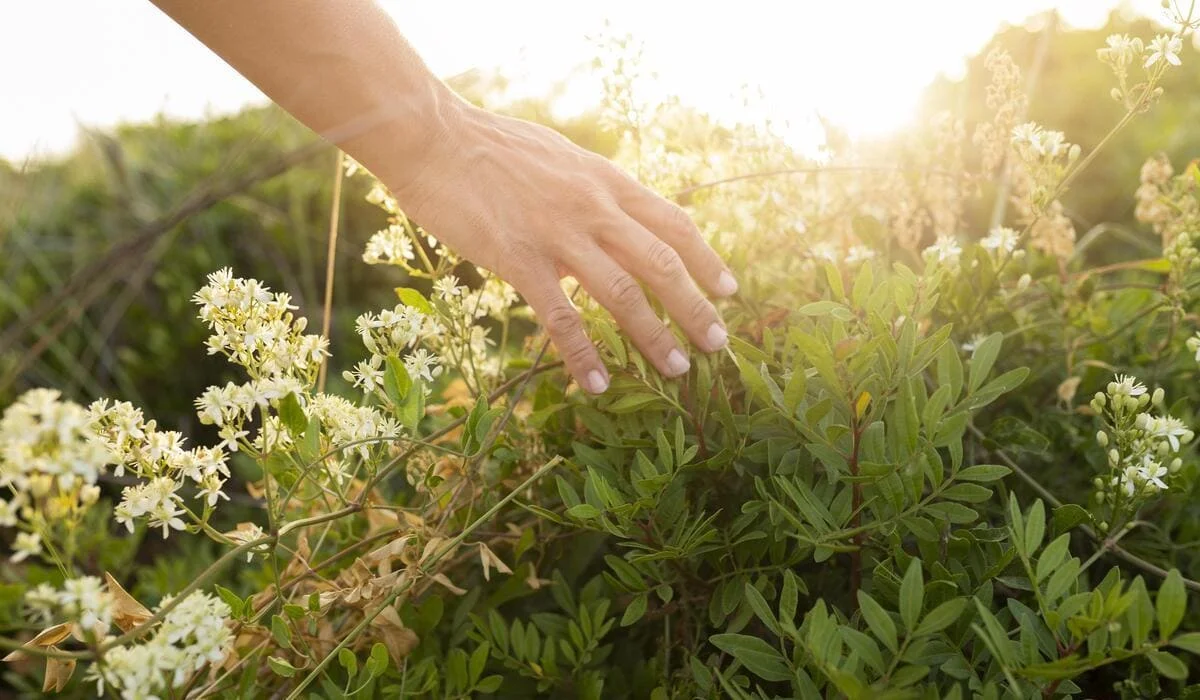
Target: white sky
x=98 y=62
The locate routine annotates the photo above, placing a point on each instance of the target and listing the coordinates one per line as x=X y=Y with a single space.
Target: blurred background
x=133 y=161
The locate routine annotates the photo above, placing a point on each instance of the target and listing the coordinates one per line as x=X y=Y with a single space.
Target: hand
x=526 y=203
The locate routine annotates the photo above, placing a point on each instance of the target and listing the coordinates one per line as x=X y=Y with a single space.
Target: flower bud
x=1101 y=398
x=1158 y=396
x=1112 y=387
x=1098 y=483
x=1141 y=420
x=1176 y=465
x=1186 y=437
x=1103 y=526
x=1023 y=281
x=1114 y=457
x=1102 y=438
x=1099 y=497
x=89 y=494
x=1143 y=400
x=1073 y=153
x=1116 y=95
x=1164 y=449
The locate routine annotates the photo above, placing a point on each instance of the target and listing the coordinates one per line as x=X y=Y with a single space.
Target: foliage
x=925 y=466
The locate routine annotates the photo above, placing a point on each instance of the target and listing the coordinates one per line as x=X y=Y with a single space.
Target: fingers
x=619 y=292
x=539 y=284
x=656 y=263
x=669 y=222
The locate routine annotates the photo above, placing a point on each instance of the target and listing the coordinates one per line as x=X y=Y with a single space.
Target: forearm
x=354 y=79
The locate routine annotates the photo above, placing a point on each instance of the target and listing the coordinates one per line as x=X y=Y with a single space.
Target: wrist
x=408 y=135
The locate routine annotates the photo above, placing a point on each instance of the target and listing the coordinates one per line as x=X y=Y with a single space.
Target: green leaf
x=292 y=414
x=1168 y=664
x=478 y=661
x=584 y=511
x=878 y=620
x=982 y=360
x=1070 y=515
x=413 y=298
x=281 y=667
x=280 y=631
x=412 y=408
x=235 y=603
x=1035 y=527
x=983 y=472
x=942 y=616
x=635 y=610
x=1171 y=604
x=348 y=661
x=912 y=595
x=1052 y=556
x=760 y=658
x=788 y=598
x=490 y=684
x=396 y=382
x=760 y=607
x=1189 y=641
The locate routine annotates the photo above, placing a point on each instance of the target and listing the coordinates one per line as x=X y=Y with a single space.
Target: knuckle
x=702 y=310
x=664 y=261
x=561 y=321
x=659 y=335
x=623 y=290
x=677 y=222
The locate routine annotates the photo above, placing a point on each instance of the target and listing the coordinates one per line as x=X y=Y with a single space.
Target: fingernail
x=677 y=364
x=717 y=337
x=726 y=285
x=596 y=382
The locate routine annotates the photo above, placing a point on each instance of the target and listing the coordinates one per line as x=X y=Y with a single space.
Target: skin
x=508 y=195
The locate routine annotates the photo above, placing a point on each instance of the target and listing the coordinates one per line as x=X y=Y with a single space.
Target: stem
x=330 y=257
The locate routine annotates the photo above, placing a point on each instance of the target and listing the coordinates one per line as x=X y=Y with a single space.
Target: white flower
x=391 y=246
x=1001 y=239
x=1164 y=48
x=26 y=544
x=423 y=364
x=974 y=342
x=447 y=288
x=859 y=254
x=1126 y=385
x=1168 y=428
x=945 y=251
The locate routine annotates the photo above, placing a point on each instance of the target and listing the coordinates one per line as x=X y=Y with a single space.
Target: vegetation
x=929 y=465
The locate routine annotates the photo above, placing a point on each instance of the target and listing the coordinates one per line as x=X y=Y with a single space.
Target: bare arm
x=508 y=195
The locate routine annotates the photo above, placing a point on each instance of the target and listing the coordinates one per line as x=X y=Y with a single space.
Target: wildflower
x=26 y=544
x=1167 y=428
x=391 y=246
x=1164 y=48
x=447 y=288
x=421 y=363
x=945 y=250
x=1126 y=385
x=1001 y=239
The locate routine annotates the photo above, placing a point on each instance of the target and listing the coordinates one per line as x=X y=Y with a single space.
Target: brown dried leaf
x=58 y=674
x=46 y=638
x=399 y=640
x=441 y=578
x=127 y=611
x=488 y=559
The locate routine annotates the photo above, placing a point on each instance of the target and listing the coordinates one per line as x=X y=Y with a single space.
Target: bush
x=924 y=467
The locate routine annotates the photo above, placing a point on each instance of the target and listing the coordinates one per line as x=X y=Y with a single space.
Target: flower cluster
x=191 y=636
x=256 y=329
x=1005 y=95
x=342 y=423
x=50 y=460
x=1142 y=444
x=83 y=600
x=1042 y=160
x=161 y=460
x=945 y=251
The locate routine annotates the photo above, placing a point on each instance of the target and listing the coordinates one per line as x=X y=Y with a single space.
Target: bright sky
x=69 y=62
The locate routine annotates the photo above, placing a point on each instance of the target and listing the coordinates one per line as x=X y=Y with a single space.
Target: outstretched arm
x=509 y=195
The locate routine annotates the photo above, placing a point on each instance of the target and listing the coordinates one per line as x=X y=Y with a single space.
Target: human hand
x=523 y=201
